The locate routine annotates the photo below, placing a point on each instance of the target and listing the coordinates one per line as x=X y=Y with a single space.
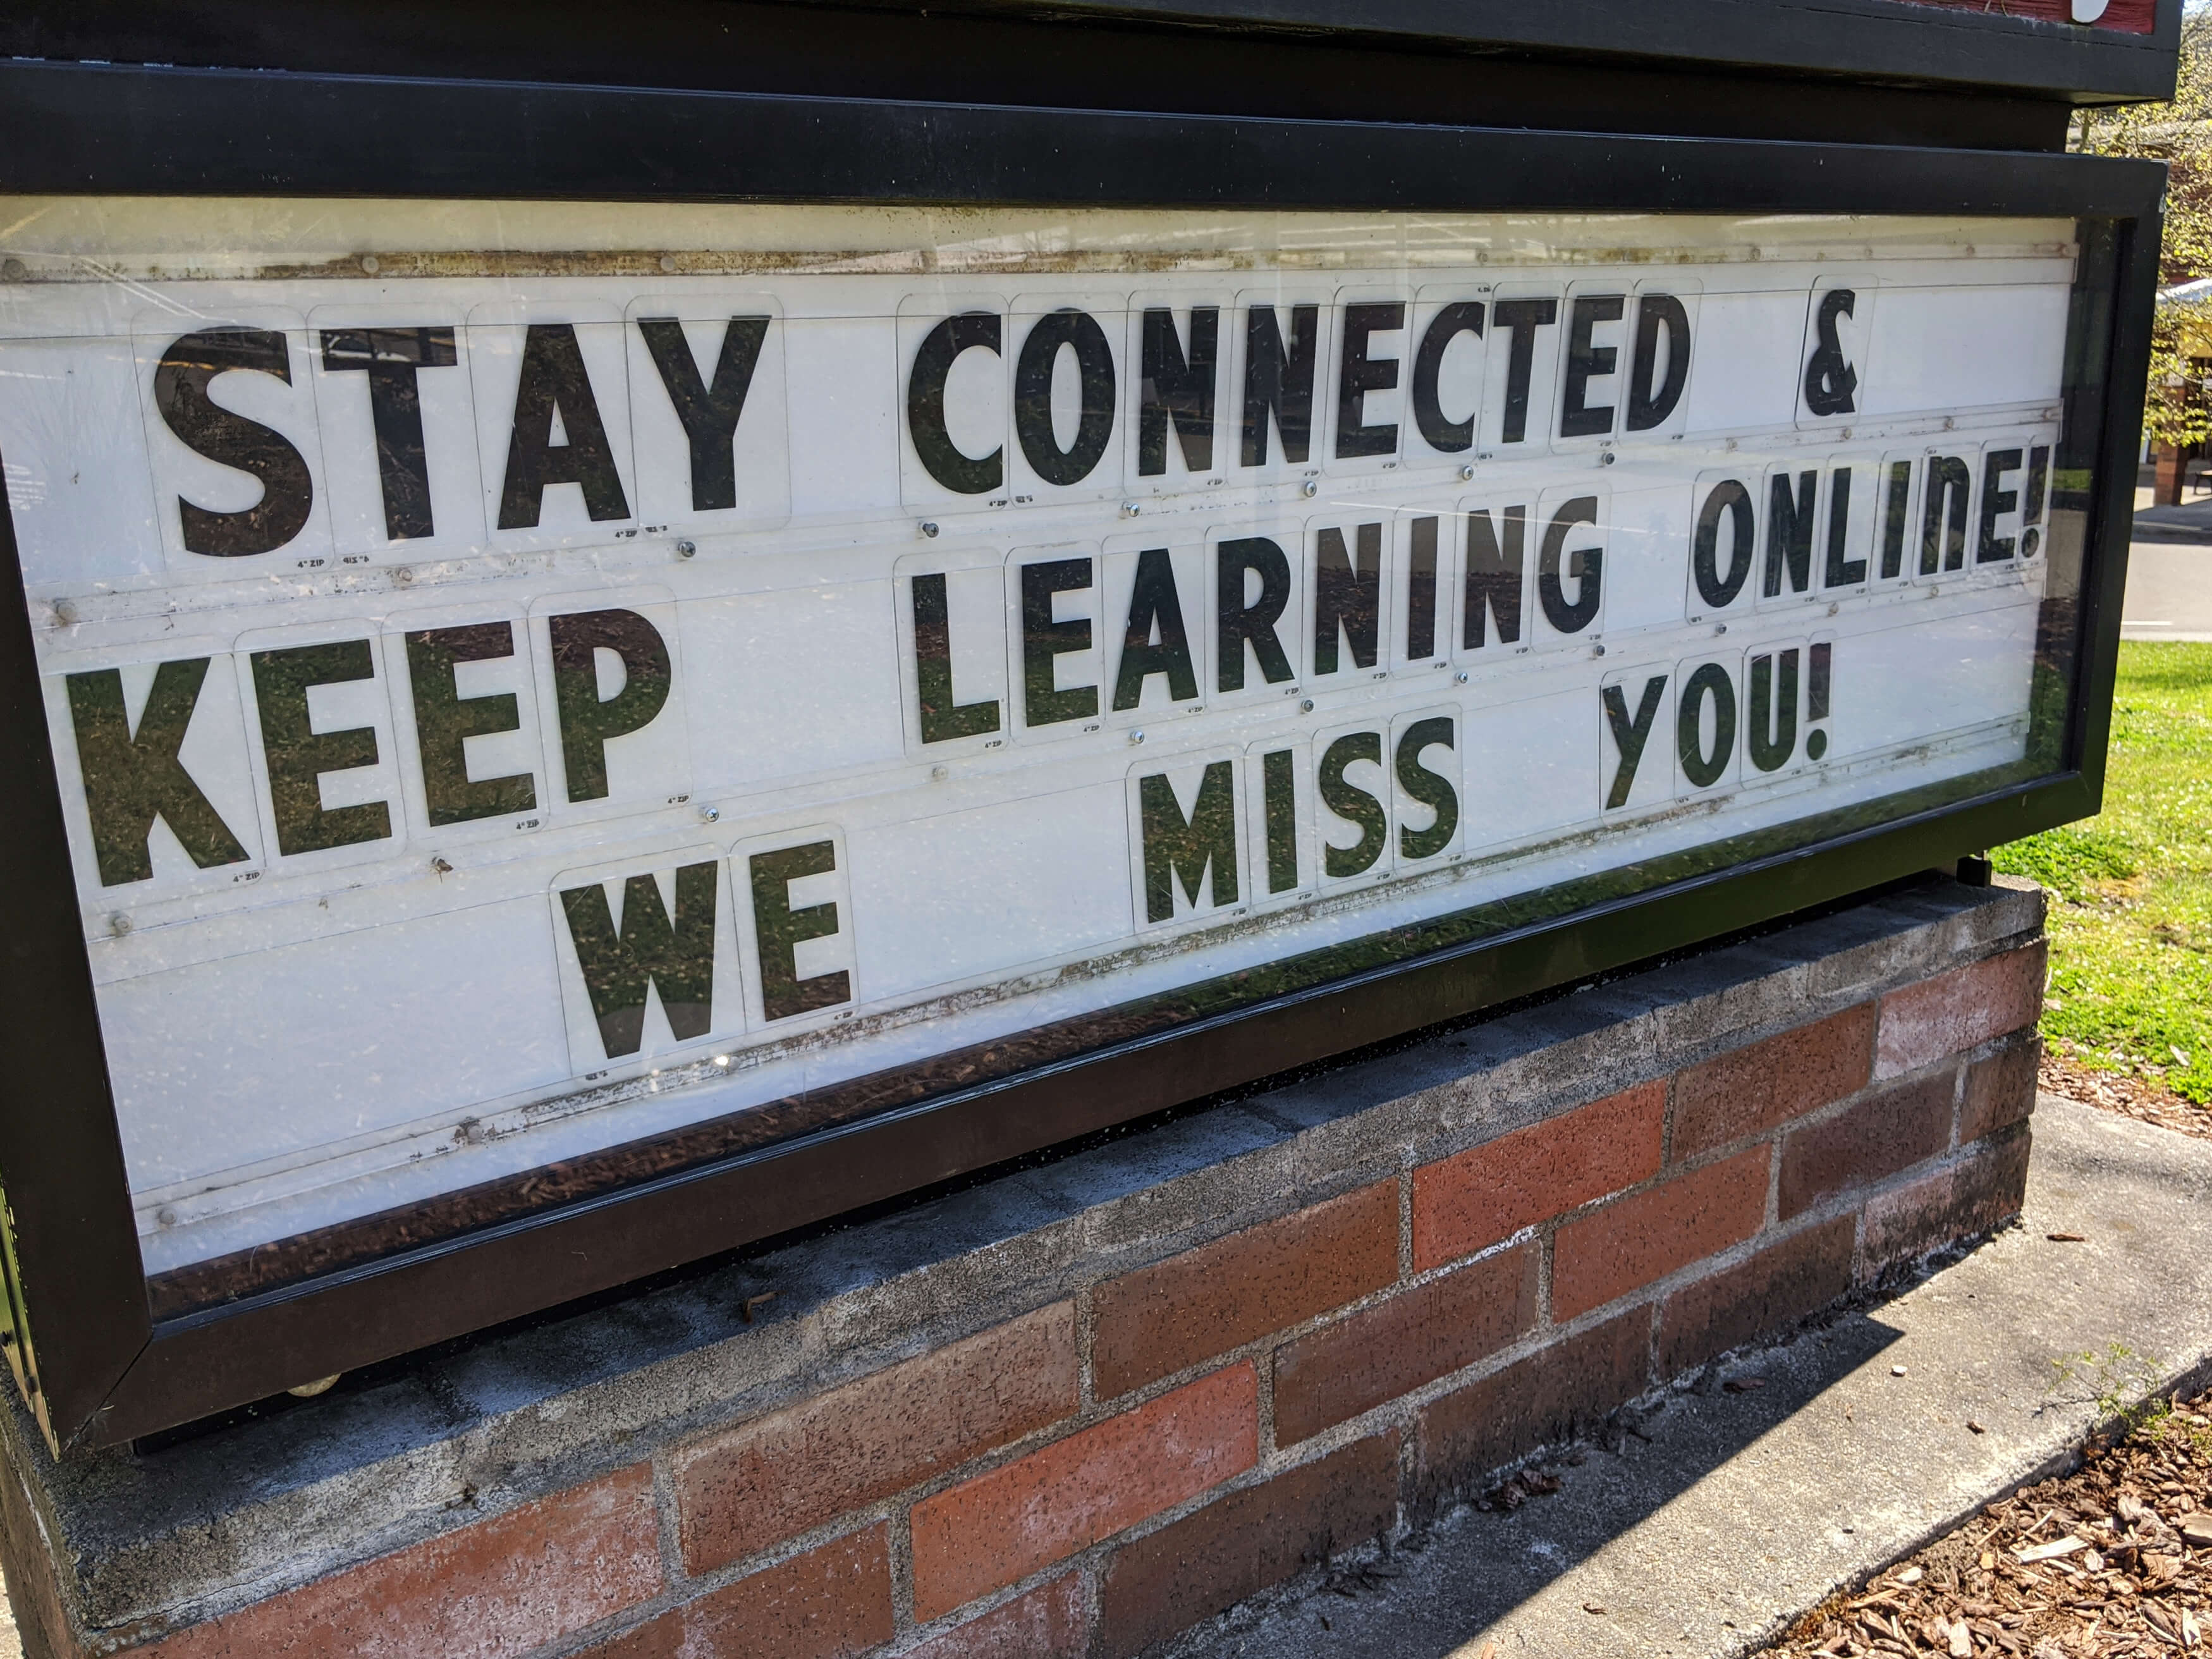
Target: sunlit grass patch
x=2131 y=890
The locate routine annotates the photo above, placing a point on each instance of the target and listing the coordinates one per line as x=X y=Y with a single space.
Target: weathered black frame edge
x=1895 y=40
x=112 y=1375
x=72 y=129
x=1955 y=48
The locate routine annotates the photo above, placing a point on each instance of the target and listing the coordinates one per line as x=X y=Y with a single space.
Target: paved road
x=2169 y=572
x=2169 y=591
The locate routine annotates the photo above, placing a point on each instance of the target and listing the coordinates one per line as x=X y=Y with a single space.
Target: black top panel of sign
x=1867 y=71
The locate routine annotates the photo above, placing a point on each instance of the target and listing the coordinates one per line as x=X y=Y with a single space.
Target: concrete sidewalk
x=1743 y=1509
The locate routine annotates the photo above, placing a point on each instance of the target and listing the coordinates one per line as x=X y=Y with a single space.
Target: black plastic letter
x=298 y=754
x=181 y=393
x=1179 y=849
x=1650 y=405
x=1439 y=429
x=553 y=379
x=942 y=718
x=445 y=721
x=654 y=951
x=1236 y=625
x=587 y=722
x=967 y=474
x=1585 y=565
x=1279 y=383
x=1177 y=389
x=391 y=358
x=1586 y=362
x=1033 y=373
x=1359 y=375
x=132 y=778
x=709 y=411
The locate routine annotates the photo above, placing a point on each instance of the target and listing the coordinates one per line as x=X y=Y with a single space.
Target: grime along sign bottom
x=510 y=706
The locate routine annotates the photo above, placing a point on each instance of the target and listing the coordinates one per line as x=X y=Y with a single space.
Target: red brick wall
x=2131 y=16
x=1098 y=1473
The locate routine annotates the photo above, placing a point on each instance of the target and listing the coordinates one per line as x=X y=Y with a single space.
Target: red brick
x=829 y=1603
x=1648 y=1235
x=2000 y=1090
x=1242 y=1544
x=1466 y=1203
x=1051 y=1622
x=2132 y=16
x=502 y=1586
x=1754 y=1088
x=1877 y=1137
x=1154 y=1322
x=35 y=1593
x=1983 y=1189
x=1757 y=1298
x=1417 y=1336
x=762 y=1482
x=1960 y=1010
x=998 y=1528
x=1551 y=1395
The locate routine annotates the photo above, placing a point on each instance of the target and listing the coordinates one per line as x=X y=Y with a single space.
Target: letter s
x=181 y=393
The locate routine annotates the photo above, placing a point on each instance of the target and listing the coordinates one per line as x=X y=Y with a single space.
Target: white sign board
x=509 y=704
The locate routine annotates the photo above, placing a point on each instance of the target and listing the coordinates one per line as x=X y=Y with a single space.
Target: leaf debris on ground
x=2113 y=1560
x=2137 y=1097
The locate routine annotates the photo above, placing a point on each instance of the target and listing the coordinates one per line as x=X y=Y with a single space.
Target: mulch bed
x=2115 y=1559
x=2130 y=1095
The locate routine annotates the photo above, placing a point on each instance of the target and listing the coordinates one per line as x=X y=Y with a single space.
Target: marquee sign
x=674 y=721
x=502 y=718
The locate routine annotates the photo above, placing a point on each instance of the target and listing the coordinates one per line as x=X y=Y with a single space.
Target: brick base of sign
x=1079 y=1409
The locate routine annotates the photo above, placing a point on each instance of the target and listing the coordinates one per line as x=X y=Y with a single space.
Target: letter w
x=652 y=951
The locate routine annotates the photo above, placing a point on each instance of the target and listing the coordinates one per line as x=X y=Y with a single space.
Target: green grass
x=2131 y=888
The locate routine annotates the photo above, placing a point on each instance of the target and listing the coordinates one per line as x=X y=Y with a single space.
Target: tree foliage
x=2179 y=134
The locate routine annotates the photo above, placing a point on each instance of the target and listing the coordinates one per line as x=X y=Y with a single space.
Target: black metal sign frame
x=101 y=1363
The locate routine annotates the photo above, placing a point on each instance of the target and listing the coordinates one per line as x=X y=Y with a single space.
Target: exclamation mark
x=1816 y=697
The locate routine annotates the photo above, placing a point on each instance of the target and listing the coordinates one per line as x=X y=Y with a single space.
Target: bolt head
x=1305 y=704
x=668 y=263
x=118 y=924
x=710 y=814
x=1309 y=489
x=1462 y=678
x=928 y=529
x=686 y=550
x=13 y=271
x=1466 y=473
x=1136 y=737
x=371 y=265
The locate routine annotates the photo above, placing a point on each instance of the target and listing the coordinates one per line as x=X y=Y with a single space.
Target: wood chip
x=2067 y=1238
x=2089 y=1565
